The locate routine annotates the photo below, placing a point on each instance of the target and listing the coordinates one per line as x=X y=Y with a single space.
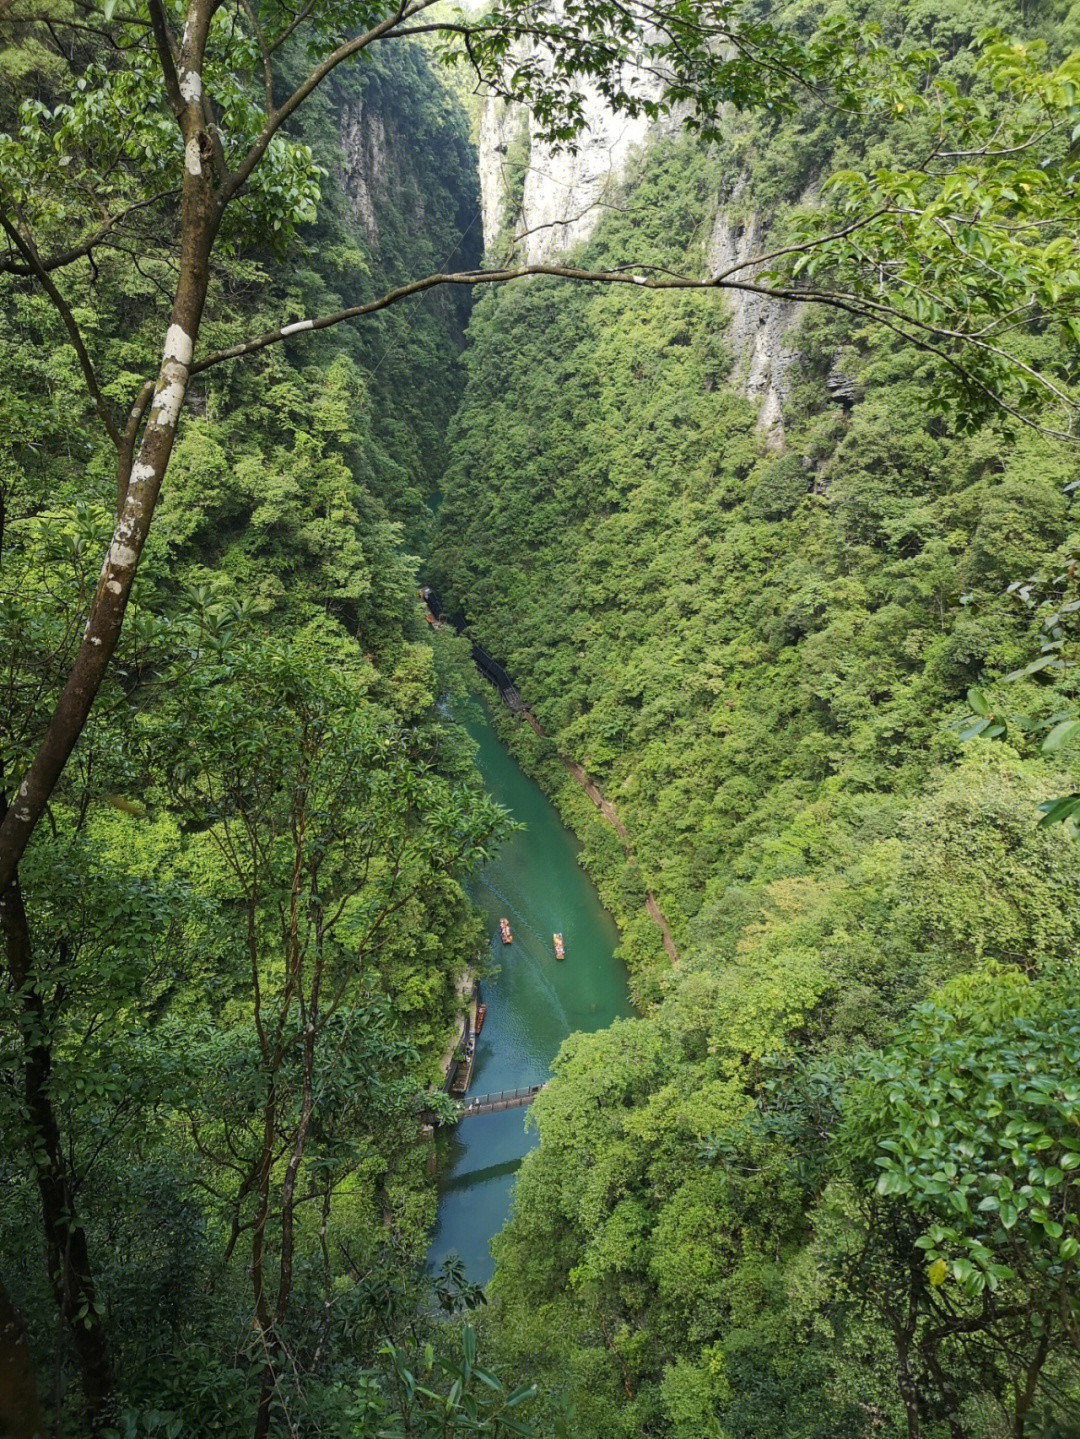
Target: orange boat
x=560 y=952
x=504 y=931
x=480 y=1015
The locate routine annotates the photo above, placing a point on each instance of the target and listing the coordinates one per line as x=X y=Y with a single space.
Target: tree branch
x=818 y=242
x=166 y=48
x=9 y=266
x=277 y=118
x=895 y=320
x=27 y=249
x=264 y=53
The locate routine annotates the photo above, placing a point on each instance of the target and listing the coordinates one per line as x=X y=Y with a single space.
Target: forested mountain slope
x=267 y=810
x=741 y=645
x=759 y=650
x=827 y=1183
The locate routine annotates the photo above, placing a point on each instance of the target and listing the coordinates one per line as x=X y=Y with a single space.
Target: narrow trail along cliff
x=607 y=809
x=508 y=693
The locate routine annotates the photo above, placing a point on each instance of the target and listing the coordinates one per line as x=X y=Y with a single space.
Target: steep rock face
x=499 y=123
x=403 y=189
x=406 y=171
x=363 y=148
x=367 y=171
x=564 y=192
x=564 y=196
x=760 y=328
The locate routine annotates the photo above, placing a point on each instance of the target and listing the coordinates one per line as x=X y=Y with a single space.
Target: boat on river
x=481 y=1015
x=504 y=931
x=560 y=951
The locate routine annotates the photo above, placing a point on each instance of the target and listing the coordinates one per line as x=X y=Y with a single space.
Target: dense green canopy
x=825 y=1183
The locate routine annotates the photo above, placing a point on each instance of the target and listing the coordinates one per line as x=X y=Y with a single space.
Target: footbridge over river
x=533 y=1004
x=500 y=1100
x=493 y=1103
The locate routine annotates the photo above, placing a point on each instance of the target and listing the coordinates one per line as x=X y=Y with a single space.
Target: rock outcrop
x=843 y=388
x=565 y=192
x=760 y=327
x=564 y=196
x=364 y=150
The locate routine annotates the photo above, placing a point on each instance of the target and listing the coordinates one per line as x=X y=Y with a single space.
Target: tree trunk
x=263 y=1322
x=200 y=211
x=1026 y=1395
x=20 y=1414
x=909 y=1390
x=65 y=1239
x=946 y=1389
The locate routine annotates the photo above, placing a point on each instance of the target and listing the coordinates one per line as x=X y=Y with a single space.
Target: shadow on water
x=533 y=1001
x=505 y=1170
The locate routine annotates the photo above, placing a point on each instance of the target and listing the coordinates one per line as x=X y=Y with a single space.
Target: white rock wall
x=565 y=197
x=760 y=328
x=565 y=192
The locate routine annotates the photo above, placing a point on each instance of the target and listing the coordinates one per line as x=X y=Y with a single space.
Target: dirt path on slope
x=607 y=809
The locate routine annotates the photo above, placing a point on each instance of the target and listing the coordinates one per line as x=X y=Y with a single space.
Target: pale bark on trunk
x=201 y=208
x=139 y=479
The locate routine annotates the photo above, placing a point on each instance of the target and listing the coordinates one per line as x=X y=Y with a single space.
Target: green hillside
x=257 y=381
x=760 y=650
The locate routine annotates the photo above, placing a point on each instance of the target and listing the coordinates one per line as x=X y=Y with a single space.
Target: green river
x=533 y=1001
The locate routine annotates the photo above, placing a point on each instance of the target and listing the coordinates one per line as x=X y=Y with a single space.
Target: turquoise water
x=533 y=1001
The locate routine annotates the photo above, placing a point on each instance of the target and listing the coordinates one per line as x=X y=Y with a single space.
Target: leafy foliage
x=270 y=716
x=758 y=646
x=765 y=1206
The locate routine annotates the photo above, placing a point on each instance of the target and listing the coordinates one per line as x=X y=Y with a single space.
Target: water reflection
x=534 y=1001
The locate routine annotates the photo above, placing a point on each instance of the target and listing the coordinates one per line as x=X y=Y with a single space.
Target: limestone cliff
x=564 y=192
x=406 y=170
x=760 y=328
x=402 y=185
x=564 y=195
x=364 y=167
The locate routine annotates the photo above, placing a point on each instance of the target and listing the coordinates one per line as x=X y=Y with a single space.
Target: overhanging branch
x=79 y=251
x=277 y=118
x=922 y=335
x=27 y=249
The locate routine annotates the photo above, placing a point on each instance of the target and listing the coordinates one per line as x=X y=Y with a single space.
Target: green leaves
x=893 y=1181
x=1061 y=735
x=1059 y=811
x=978 y=702
x=952 y=247
x=435 y=1396
x=978 y=1121
x=986 y=724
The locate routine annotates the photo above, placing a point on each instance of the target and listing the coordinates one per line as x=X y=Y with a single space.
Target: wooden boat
x=504 y=931
x=480 y=1016
x=560 y=952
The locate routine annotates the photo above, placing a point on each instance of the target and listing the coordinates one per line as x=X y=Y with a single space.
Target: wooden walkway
x=502 y=1099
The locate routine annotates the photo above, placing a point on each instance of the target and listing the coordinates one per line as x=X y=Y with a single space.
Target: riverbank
x=455 y=1066
x=646 y=944
x=607 y=809
x=533 y=1001
x=641 y=955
